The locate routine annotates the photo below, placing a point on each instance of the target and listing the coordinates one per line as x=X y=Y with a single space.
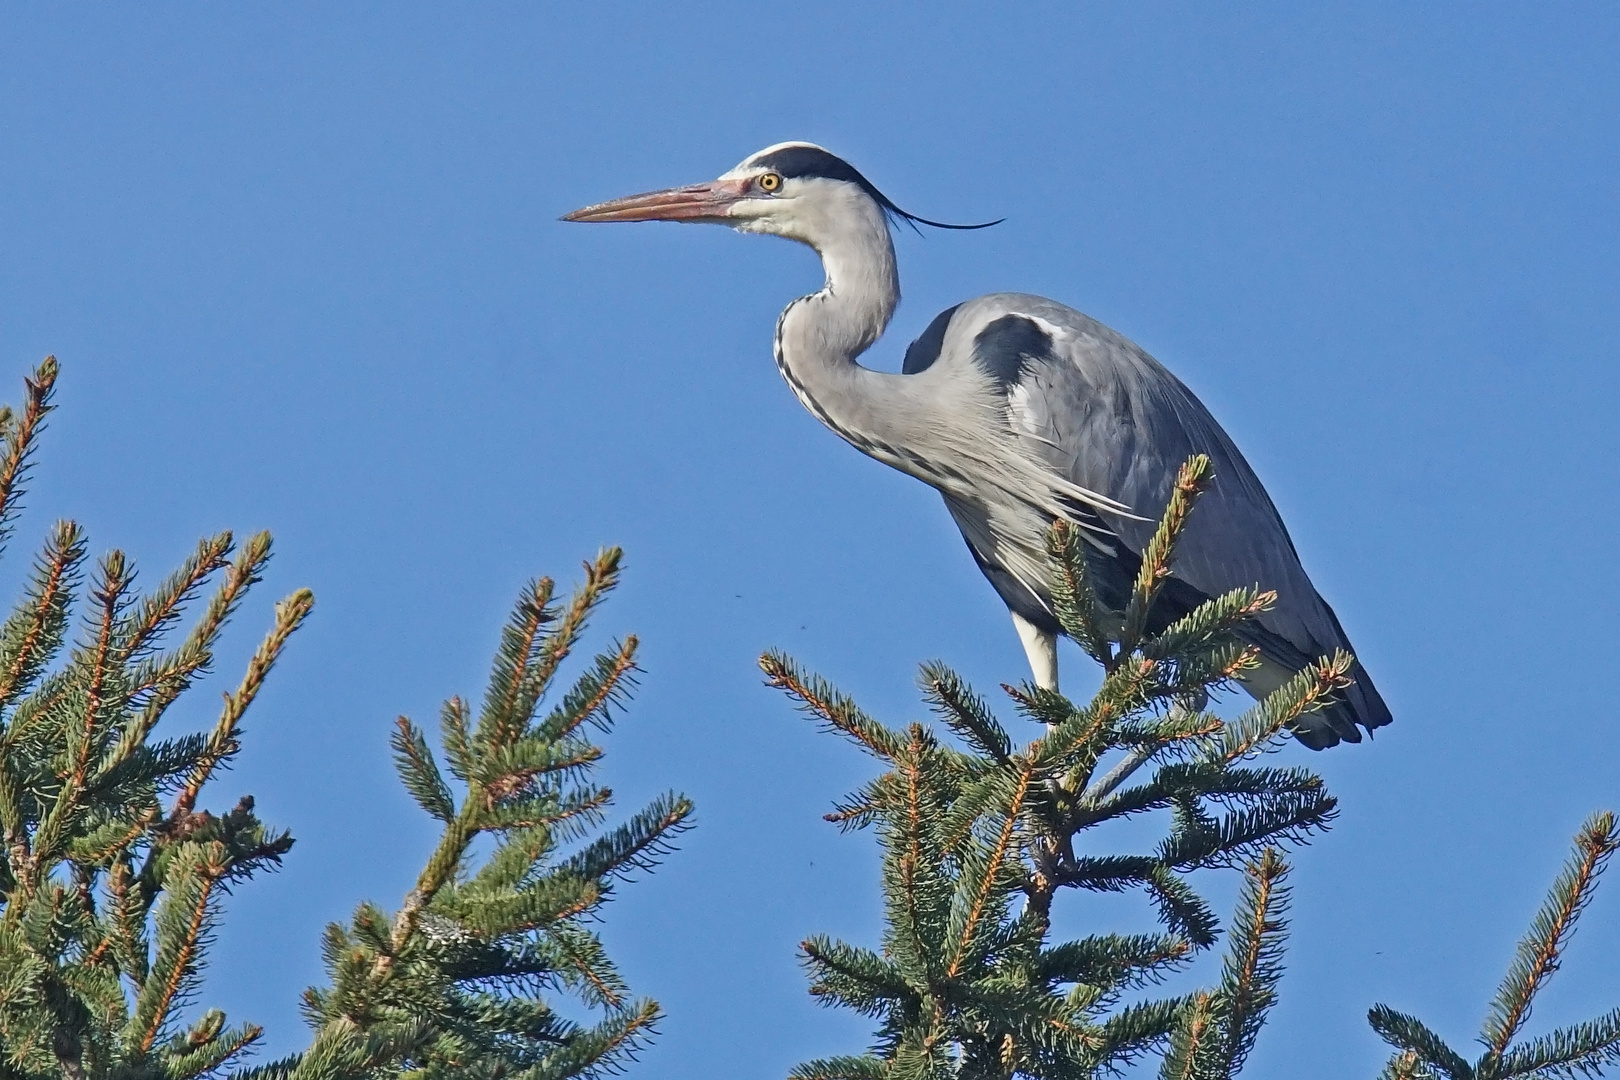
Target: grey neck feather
x=819 y=337
x=948 y=426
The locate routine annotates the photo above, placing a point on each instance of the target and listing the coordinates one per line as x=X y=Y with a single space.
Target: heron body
x=1020 y=411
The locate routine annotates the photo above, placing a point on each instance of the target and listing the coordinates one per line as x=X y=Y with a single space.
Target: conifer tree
x=112 y=876
x=450 y=985
x=980 y=833
x=1582 y=1050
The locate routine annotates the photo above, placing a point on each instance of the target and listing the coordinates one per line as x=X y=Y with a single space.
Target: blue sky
x=302 y=268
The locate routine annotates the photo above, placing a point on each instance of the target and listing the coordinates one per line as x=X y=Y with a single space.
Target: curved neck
x=820 y=336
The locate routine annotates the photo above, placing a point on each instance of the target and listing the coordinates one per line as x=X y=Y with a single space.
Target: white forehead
x=750 y=164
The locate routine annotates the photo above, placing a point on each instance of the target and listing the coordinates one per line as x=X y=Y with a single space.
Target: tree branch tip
x=1599 y=833
x=1017 y=694
x=296 y=606
x=44 y=376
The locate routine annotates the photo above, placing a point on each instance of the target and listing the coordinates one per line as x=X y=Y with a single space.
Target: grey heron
x=1019 y=411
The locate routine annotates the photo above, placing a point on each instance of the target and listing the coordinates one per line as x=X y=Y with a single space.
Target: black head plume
x=801 y=160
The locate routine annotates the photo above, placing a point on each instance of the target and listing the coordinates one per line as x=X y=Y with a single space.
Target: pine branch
x=592 y=698
x=837 y=712
x=1193 y=1042
x=184 y=922
x=842 y=1068
x=1074 y=599
x=1113 y=959
x=106 y=905
x=20 y=435
x=502 y=721
x=1258 y=729
x=1254 y=959
x=164 y=679
x=985 y=885
x=1540 y=952
x=1283 y=818
x=1408 y=1033
x=1131 y=1032
x=965 y=712
x=449 y=984
x=1209 y=623
x=223 y=741
x=979 y=834
x=207 y=1047
x=601 y=578
x=161 y=609
x=82 y=730
x=1191 y=481
x=563 y=816
x=554 y=897
x=639 y=844
x=586 y=965
x=1407 y=1066
x=606 y=1048
x=1584 y=1050
x=454 y=732
x=858 y=811
x=33 y=633
x=974 y=801
x=1181 y=909
x=419 y=772
x=110 y=595
x=857 y=978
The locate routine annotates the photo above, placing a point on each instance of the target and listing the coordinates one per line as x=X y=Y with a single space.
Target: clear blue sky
x=302 y=267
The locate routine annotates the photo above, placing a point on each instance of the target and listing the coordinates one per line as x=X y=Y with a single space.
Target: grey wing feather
x=1110 y=418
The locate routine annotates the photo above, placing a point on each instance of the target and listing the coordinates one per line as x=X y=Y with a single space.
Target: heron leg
x=1041 y=648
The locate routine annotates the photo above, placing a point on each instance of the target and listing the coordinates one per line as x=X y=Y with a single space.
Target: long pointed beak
x=696 y=202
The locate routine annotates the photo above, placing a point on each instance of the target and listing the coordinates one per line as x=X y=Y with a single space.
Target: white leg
x=1041 y=648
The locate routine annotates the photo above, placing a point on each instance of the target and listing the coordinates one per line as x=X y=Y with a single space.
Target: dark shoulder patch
x=921 y=354
x=1005 y=348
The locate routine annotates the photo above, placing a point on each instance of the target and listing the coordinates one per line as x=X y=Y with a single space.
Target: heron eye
x=769 y=182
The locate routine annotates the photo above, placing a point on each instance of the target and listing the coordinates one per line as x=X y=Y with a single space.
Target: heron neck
x=819 y=338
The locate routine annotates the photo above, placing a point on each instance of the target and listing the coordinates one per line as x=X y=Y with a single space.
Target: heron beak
x=697 y=202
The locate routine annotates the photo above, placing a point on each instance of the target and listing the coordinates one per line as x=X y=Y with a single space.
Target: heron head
x=796 y=190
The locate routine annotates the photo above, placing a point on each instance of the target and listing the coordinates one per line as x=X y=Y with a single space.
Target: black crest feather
x=801 y=162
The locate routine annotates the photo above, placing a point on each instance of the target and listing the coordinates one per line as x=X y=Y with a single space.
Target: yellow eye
x=769 y=181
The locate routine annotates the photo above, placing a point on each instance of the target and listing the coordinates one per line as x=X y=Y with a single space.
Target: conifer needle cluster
x=451 y=984
x=980 y=833
x=1580 y=1051
x=111 y=877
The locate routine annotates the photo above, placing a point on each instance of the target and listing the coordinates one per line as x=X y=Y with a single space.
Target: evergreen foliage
x=1583 y=1050
x=979 y=834
x=450 y=985
x=111 y=878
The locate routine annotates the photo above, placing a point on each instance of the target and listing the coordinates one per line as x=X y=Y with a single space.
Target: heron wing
x=1110 y=418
